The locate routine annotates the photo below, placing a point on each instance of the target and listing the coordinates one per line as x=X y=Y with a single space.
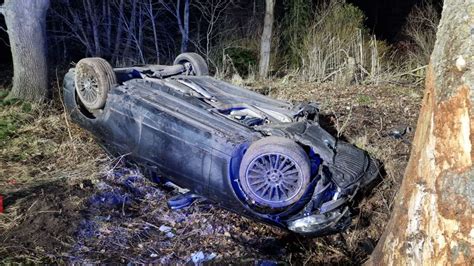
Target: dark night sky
x=5 y=55
x=384 y=17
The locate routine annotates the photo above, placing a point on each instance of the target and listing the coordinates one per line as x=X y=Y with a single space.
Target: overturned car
x=263 y=158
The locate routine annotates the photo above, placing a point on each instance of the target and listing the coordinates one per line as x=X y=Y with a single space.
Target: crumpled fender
x=347 y=164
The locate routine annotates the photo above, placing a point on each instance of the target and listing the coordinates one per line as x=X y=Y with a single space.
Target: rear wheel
x=93 y=78
x=274 y=172
x=194 y=63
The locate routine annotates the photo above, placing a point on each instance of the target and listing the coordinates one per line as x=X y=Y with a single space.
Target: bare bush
x=213 y=12
x=420 y=29
x=337 y=48
x=231 y=45
x=182 y=19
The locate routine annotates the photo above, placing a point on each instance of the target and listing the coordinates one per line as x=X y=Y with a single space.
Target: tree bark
x=183 y=24
x=266 y=41
x=26 y=24
x=184 y=46
x=152 y=16
x=130 y=25
x=432 y=220
x=118 y=36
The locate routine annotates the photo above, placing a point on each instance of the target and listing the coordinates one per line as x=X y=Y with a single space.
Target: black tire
x=196 y=62
x=94 y=77
x=276 y=165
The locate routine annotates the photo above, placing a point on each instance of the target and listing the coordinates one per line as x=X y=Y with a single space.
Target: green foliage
x=5 y=101
x=8 y=125
x=342 y=20
x=295 y=26
x=26 y=107
x=3 y=94
x=364 y=99
x=235 y=55
x=242 y=58
x=337 y=21
x=334 y=38
x=10 y=117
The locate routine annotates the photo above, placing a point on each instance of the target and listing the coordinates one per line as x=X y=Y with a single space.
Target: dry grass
x=40 y=146
x=36 y=149
x=337 y=47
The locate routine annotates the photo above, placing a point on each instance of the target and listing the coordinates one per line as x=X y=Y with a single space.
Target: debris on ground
x=199 y=257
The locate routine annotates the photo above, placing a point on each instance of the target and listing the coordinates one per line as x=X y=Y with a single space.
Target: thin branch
x=6 y=43
x=169 y=9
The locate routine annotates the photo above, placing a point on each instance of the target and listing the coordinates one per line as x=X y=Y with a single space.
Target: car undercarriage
x=260 y=157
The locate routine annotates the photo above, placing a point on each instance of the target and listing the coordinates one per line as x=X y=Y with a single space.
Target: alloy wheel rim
x=274 y=179
x=89 y=88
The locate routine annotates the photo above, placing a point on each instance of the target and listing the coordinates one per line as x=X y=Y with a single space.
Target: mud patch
x=45 y=218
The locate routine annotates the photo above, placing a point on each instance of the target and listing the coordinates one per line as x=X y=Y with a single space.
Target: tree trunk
x=26 y=23
x=432 y=220
x=152 y=16
x=116 y=53
x=265 y=45
x=130 y=25
x=183 y=26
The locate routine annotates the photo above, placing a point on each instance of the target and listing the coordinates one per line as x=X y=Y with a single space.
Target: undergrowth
x=11 y=121
x=420 y=34
x=36 y=143
x=328 y=42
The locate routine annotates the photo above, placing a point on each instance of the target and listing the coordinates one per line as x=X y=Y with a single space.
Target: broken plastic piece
x=199 y=257
x=181 y=201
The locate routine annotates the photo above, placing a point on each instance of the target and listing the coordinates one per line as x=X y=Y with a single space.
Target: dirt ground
x=66 y=201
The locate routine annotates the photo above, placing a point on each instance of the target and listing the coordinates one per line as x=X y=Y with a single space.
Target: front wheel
x=274 y=172
x=194 y=64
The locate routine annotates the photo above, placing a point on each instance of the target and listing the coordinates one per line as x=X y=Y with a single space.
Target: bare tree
x=265 y=45
x=123 y=31
x=84 y=23
x=152 y=14
x=134 y=27
x=432 y=220
x=26 y=27
x=182 y=19
x=213 y=14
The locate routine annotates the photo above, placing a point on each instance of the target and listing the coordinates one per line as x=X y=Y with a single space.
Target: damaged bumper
x=343 y=170
x=329 y=210
x=321 y=224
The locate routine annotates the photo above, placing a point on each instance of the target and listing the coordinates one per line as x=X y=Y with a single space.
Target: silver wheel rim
x=274 y=179
x=89 y=88
x=189 y=68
